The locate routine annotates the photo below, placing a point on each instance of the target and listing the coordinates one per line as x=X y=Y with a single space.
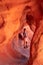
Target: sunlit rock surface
x=11 y=12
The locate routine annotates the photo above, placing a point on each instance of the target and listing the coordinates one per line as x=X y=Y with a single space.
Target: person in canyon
x=36 y=24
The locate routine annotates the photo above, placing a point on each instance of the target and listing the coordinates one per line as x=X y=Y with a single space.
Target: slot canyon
x=21 y=32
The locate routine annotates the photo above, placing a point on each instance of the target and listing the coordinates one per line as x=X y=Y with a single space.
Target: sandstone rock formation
x=12 y=20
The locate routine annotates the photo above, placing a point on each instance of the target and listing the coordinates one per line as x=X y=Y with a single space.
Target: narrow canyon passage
x=15 y=16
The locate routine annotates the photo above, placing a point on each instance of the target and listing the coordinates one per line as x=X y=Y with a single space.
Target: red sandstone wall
x=9 y=8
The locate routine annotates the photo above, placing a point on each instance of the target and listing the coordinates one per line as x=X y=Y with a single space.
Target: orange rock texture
x=12 y=20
